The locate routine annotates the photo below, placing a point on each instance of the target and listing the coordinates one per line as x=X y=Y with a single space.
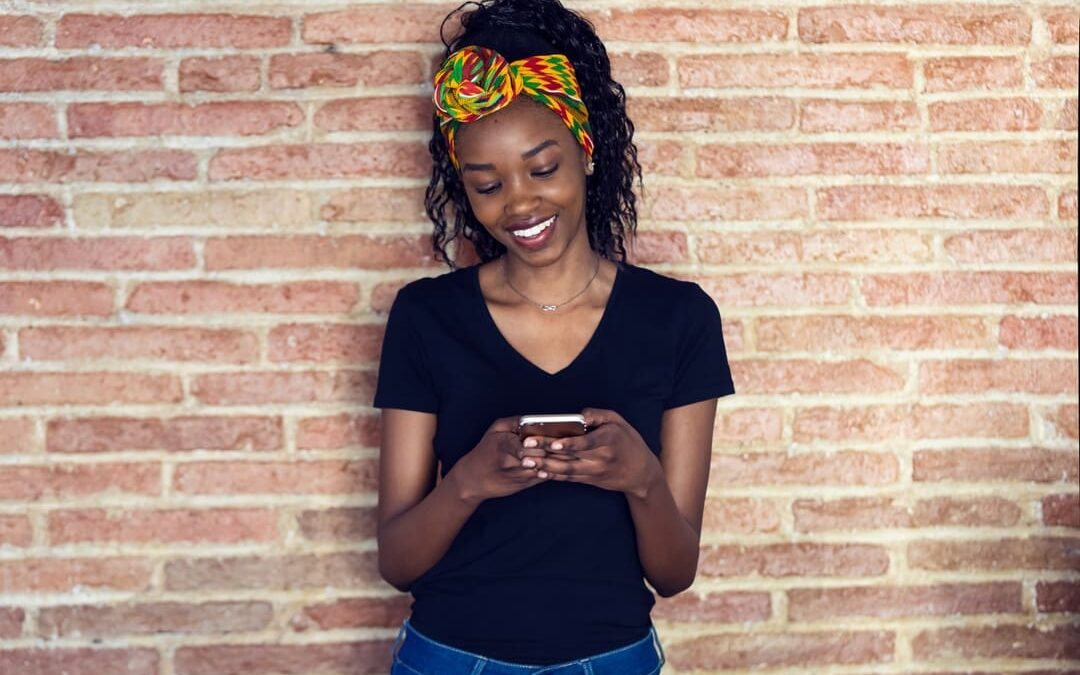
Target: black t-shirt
x=551 y=573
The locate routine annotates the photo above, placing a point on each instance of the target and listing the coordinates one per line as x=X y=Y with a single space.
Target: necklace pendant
x=549 y=308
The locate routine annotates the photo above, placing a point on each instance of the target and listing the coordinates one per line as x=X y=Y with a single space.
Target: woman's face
x=522 y=169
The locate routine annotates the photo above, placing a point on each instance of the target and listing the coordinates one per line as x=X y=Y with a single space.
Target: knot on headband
x=476 y=81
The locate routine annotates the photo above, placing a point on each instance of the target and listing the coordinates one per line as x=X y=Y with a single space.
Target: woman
x=530 y=554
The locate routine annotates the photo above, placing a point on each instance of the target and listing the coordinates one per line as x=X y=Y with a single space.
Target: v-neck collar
x=489 y=322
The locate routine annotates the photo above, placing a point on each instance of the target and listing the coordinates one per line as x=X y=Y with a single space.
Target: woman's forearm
x=667 y=545
x=412 y=542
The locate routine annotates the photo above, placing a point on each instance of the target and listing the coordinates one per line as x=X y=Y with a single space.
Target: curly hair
x=517 y=29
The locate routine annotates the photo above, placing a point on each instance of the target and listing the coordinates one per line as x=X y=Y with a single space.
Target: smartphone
x=552 y=426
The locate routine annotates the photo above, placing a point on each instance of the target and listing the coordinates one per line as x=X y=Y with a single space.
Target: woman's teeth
x=534 y=230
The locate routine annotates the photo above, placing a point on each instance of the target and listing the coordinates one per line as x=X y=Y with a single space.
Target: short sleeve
x=404 y=379
x=701 y=365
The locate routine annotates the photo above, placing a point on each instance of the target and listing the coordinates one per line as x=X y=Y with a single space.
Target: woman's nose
x=521 y=198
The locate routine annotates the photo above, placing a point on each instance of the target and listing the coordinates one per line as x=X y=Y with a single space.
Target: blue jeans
x=416 y=654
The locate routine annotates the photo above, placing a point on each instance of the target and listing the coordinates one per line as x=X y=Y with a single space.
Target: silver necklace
x=547 y=307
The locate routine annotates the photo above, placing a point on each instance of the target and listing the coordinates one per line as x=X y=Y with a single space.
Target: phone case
x=552 y=426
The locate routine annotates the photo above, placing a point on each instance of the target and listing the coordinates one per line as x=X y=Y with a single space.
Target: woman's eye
x=546 y=172
x=487 y=190
x=539 y=174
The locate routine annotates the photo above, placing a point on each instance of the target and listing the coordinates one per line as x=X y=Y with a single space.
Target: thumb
x=504 y=424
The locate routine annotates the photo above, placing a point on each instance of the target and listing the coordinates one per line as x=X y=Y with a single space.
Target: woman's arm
x=417 y=519
x=667 y=515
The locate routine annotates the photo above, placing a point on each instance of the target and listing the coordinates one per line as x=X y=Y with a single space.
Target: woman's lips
x=539 y=240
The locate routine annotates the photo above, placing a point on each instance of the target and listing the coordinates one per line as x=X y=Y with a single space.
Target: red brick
x=749 y=425
x=216 y=297
x=1061 y=510
x=339 y=431
x=742 y=516
x=1043 y=376
x=715 y=607
x=222 y=526
x=873 y=513
x=995 y=464
x=1067 y=205
x=1028 y=245
x=345 y=524
x=1066 y=120
x=877 y=202
x=885 y=422
x=789 y=560
x=1006 y=114
x=1064 y=421
x=222 y=118
x=20 y=31
x=639 y=69
x=30 y=211
x=899 y=333
x=322 y=160
x=310 y=251
x=1040 y=332
x=818 y=116
x=60 y=575
x=1034 y=553
x=74 y=343
x=17 y=435
x=172 y=31
x=972 y=72
x=355 y=658
x=751 y=204
x=1059 y=72
x=657 y=24
x=759 y=290
x=283 y=387
x=58 y=388
x=83 y=73
x=226 y=73
x=108 y=253
x=1064 y=24
x=273 y=209
x=811 y=159
x=818 y=71
x=371 y=69
x=124 y=166
x=377 y=204
x=650 y=247
x=80 y=661
x=177 y=434
x=14 y=531
x=382 y=296
x=1002 y=642
x=809 y=246
x=1058 y=596
x=378 y=23
x=150 y=618
x=744 y=650
x=967 y=24
x=28 y=483
x=888 y=602
x=54 y=298
x=27 y=120
x=11 y=622
x=352 y=569
x=970 y=288
x=654 y=113
x=325 y=342
x=377 y=113
x=353 y=613
x=660 y=157
x=1008 y=157
x=292 y=477
x=816 y=468
x=759 y=376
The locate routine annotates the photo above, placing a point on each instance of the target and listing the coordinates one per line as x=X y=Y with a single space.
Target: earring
x=589 y=168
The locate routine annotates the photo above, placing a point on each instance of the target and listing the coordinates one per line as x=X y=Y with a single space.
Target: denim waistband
x=418 y=651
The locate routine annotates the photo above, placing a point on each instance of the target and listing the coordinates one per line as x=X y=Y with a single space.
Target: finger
x=504 y=424
x=594 y=417
x=558 y=467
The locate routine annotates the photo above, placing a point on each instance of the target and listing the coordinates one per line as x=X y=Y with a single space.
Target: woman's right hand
x=495 y=467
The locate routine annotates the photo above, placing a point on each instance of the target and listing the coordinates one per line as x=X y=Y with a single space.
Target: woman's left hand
x=612 y=455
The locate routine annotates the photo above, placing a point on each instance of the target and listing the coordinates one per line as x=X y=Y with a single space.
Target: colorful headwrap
x=476 y=81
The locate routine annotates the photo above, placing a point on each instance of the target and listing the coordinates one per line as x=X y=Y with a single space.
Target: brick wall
x=205 y=216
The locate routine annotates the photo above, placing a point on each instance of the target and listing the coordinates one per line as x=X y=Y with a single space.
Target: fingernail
x=542 y=474
x=528 y=463
x=556 y=446
x=530 y=443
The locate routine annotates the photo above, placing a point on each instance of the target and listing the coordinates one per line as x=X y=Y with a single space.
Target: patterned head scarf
x=476 y=81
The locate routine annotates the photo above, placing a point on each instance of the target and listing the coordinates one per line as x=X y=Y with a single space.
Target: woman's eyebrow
x=525 y=155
